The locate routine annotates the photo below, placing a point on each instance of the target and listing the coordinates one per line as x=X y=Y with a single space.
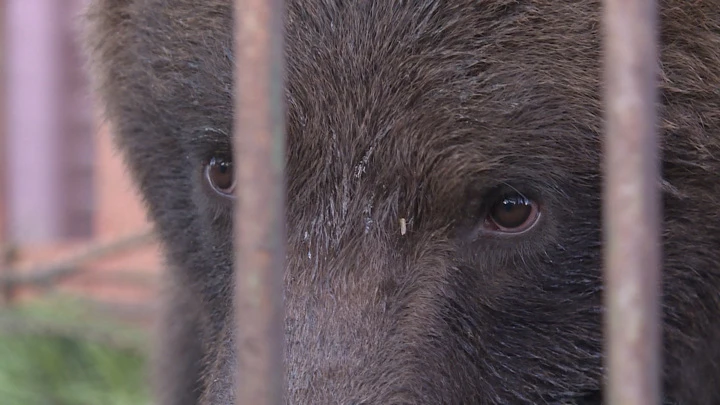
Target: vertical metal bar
x=631 y=208
x=259 y=156
x=3 y=124
x=6 y=269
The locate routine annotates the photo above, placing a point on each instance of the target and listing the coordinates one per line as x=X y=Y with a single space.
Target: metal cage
x=631 y=202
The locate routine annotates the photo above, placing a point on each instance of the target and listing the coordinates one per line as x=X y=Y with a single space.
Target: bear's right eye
x=220 y=174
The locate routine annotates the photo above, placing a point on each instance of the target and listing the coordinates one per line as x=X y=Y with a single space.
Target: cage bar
x=631 y=206
x=7 y=290
x=259 y=156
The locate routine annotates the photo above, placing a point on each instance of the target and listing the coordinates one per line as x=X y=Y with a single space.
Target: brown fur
x=417 y=110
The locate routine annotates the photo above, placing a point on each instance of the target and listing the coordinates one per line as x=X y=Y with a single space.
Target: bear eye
x=512 y=213
x=221 y=176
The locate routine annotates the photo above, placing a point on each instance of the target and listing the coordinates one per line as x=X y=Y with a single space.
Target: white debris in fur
x=362 y=166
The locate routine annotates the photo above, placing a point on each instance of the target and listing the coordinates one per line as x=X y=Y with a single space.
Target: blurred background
x=78 y=265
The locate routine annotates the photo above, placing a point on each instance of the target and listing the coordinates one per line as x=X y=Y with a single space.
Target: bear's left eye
x=220 y=174
x=512 y=213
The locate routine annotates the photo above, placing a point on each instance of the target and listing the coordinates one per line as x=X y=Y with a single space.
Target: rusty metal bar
x=259 y=156
x=631 y=209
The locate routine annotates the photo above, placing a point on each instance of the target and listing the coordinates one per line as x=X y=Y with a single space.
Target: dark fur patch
x=417 y=110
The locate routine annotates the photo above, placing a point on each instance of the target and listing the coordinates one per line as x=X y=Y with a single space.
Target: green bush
x=54 y=354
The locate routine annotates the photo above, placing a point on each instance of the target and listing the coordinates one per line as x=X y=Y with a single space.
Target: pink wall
x=62 y=169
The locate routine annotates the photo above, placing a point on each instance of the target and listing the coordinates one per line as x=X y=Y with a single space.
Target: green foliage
x=55 y=354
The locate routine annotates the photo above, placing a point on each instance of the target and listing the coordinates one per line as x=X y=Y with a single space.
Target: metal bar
x=631 y=209
x=259 y=156
x=7 y=289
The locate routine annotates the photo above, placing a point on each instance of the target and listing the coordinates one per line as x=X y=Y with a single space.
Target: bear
x=478 y=125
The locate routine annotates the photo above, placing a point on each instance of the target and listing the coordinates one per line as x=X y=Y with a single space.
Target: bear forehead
x=474 y=87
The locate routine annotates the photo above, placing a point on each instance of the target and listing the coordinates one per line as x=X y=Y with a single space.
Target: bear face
x=477 y=125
